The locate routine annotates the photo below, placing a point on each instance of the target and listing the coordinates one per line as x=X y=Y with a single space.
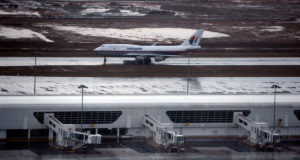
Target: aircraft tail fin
x=194 y=40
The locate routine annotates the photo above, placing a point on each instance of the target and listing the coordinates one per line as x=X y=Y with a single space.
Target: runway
x=182 y=61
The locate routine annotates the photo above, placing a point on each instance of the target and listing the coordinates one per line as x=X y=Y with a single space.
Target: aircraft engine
x=159 y=58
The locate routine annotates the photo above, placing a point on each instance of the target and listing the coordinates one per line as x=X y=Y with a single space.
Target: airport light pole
x=82 y=87
x=274 y=105
x=188 y=75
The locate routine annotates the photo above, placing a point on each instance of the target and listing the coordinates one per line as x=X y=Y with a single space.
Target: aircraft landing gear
x=104 y=62
x=146 y=61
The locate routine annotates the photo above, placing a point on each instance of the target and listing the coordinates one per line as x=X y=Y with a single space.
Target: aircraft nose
x=98 y=48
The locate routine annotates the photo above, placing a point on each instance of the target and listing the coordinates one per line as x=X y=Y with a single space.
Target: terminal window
x=89 y=117
x=297 y=114
x=204 y=116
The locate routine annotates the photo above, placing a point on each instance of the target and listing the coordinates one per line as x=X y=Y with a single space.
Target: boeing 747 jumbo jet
x=143 y=54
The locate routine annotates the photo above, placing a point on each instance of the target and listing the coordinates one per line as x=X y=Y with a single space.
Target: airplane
x=143 y=54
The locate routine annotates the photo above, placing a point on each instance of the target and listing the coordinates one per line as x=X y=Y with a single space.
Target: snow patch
x=272 y=28
x=108 y=12
x=155 y=7
x=148 y=6
x=243 y=27
x=93 y=10
x=181 y=14
x=126 y=12
x=144 y=34
x=2 y=12
x=208 y=24
x=23 y=85
x=15 y=33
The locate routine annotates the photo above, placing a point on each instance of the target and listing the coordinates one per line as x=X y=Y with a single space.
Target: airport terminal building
x=116 y=115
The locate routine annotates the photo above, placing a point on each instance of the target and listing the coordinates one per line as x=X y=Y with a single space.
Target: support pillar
x=50 y=134
x=28 y=134
x=118 y=134
x=2 y=134
x=57 y=138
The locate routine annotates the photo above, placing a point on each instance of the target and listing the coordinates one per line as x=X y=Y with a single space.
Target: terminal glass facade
x=204 y=116
x=89 y=117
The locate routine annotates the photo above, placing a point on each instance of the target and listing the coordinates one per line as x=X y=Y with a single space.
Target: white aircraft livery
x=143 y=54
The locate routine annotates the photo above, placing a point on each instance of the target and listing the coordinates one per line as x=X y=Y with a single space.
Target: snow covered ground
x=27 y=13
x=127 y=9
x=22 y=85
x=43 y=61
x=272 y=28
x=15 y=33
x=108 y=12
x=157 y=7
x=148 y=6
x=143 y=34
x=126 y=12
x=93 y=10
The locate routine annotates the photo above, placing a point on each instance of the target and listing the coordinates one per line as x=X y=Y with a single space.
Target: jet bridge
x=163 y=133
x=67 y=136
x=260 y=134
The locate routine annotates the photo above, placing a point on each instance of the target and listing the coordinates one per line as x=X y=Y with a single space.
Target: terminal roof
x=146 y=99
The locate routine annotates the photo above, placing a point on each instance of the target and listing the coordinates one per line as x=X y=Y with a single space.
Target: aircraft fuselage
x=129 y=50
